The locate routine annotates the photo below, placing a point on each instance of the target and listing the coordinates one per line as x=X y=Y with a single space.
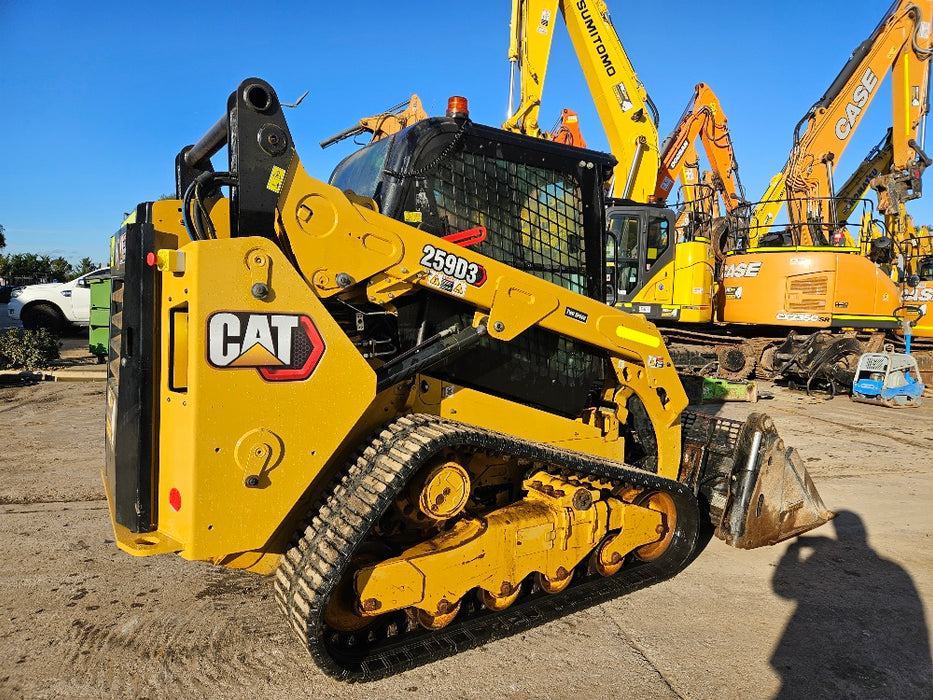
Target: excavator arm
x=625 y=109
x=386 y=123
x=702 y=119
x=899 y=45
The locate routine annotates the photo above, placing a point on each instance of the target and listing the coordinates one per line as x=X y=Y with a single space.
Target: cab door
x=639 y=258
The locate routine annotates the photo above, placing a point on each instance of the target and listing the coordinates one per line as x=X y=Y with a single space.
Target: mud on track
x=844 y=611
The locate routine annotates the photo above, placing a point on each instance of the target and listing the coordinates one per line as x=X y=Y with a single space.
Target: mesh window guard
x=533 y=216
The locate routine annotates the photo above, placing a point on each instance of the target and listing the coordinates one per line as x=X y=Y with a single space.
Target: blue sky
x=99 y=97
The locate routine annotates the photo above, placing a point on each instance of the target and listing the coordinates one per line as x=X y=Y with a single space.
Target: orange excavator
x=567 y=129
x=899 y=45
x=703 y=120
x=788 y=308
x=809 y=274
x=386 y=123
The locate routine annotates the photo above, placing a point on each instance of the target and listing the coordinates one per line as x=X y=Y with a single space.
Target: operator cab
x=540 y=202
x=541 y=205
x=639 y=242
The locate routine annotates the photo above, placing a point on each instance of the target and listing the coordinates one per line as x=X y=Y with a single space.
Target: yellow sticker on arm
x=276 y=179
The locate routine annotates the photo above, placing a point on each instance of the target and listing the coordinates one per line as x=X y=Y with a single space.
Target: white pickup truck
x=54 y=306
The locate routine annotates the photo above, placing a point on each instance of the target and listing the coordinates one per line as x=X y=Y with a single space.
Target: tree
x=85 y=265
x=24 y=265
x=28 y=268
x=61 y=269
x=2 y=238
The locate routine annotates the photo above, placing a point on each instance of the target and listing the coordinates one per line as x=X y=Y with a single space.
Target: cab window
x=623 y=262
x=658 y=240
x=925 y=269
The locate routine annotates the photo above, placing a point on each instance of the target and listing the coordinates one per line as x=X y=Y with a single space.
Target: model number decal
x=807 y=318
x=453 y=265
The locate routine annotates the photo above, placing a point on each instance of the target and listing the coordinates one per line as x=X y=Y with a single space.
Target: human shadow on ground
x=859 y=629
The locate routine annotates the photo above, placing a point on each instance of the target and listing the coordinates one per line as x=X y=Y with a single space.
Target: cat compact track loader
x=402 y=394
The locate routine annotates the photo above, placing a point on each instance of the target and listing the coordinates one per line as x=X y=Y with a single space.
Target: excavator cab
x=652 y=273
x=638 y=240
x=925 y=269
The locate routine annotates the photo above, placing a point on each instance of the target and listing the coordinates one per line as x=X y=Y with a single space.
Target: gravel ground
x=840 y=612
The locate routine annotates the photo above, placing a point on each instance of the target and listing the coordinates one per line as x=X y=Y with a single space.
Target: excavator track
x=310 y=572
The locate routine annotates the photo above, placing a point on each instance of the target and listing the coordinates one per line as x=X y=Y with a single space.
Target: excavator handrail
x=750 y=234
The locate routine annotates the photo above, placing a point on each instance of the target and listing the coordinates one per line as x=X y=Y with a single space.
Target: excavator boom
x=900 y=46
x=628 y=115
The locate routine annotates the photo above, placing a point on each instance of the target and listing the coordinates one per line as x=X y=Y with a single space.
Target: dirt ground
x=840 y=612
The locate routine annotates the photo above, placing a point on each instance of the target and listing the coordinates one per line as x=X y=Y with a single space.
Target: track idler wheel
x=507 y=595
x=664 y=504
x=341 y=613
x=556 y=584
x=439 y=620
x=734 y=363
x=604 y=564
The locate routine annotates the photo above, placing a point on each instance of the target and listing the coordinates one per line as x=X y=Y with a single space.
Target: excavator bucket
x=756 y=489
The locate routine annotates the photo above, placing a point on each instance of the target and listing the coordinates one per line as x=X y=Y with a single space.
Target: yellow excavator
x=628 y=115
x=649 y=272
x=852 y=194
x=776 y=305
x=402 y=394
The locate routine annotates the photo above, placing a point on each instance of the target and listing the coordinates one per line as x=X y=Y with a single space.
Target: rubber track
x=309 y=572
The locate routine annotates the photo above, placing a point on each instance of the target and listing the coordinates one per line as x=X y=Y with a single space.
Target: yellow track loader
x=401 y=393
